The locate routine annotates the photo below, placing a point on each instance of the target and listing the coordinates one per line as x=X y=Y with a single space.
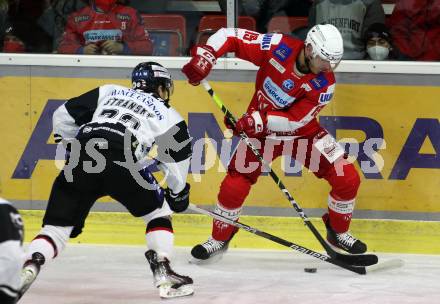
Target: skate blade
x=167 y=292
x=209 y=261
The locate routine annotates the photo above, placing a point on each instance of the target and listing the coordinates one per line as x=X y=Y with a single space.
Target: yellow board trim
x=381 y=235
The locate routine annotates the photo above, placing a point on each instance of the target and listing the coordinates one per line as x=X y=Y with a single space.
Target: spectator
x=4 y=22
x=352 y=18
x=105 y=27
x=8 y=42
x=25 y=33
x=415 y=28
x=54 y=18
x=378 y=42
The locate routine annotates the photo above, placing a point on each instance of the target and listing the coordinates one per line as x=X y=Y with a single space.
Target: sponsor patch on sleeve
x=266 y=41
x=326 y=97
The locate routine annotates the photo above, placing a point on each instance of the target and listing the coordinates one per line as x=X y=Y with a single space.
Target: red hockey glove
x=254 y=125
x=201 y=63
x=228 y=124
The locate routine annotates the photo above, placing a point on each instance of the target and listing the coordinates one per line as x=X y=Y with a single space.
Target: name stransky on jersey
x=132 y=105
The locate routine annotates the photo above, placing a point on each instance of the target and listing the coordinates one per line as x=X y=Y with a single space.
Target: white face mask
x=378 y=52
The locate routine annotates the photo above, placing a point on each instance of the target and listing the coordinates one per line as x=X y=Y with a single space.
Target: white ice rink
x=86 y=274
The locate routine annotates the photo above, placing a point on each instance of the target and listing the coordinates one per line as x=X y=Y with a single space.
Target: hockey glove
x=228 y=123
x=254 y=125
x=178 y=202
x=58 y=138
x=201 y=63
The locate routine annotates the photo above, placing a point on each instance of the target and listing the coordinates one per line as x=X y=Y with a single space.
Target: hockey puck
x=310 y=270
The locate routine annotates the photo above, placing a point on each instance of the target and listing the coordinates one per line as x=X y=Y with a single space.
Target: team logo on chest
x=288 y=85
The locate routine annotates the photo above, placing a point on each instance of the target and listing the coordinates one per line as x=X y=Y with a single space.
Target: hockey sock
x=220 y=230
x=345 y=184
x=160 y=237
x=49 y=242
x=339 y=214
x=233 y=191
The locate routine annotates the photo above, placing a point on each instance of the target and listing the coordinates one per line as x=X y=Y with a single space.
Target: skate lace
x=346 y=238
x=212 y=245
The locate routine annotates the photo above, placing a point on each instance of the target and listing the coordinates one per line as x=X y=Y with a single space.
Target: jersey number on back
x=124 y=118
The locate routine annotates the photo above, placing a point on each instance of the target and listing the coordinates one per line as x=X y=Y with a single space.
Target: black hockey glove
x=178 y=202
x=58 y=138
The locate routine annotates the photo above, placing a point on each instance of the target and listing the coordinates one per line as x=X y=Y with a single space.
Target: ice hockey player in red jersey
x=105 y=27
x=294 y=82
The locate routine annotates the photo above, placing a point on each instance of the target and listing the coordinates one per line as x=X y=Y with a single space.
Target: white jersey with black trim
x=146 y=116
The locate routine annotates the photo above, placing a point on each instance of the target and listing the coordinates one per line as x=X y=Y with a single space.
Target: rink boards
x=396 y=115
x=119 y=228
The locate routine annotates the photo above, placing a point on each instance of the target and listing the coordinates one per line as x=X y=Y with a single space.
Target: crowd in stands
x=411 y=31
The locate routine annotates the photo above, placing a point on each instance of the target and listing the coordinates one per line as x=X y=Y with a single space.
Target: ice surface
x=86 y=274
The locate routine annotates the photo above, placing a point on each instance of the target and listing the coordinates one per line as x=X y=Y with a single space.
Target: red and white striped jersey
x=289 y=99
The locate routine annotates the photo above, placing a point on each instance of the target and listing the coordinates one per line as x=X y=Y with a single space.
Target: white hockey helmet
x=327 y=43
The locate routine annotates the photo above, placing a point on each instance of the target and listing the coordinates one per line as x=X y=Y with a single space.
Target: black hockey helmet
x=148 y=76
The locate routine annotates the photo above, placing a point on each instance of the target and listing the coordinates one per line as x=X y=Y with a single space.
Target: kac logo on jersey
x=288 y=85
x=282 y=52
x=319 y=82
x=265 y=43
x=276 y=95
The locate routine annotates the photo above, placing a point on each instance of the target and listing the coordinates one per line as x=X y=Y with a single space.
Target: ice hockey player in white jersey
x=11 y=252
x=108 y=131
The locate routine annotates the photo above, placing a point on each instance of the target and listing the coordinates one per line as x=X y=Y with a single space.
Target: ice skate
x=345 y=241
x=169 y=283
x=30 y=271
x=209 y=252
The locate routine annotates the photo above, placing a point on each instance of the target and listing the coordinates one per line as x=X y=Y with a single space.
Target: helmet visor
x=329 y=59
x=322 y=65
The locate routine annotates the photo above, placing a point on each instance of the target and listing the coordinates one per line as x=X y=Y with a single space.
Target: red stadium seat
x=168 y=33
x=284 y=24
x=209 y=24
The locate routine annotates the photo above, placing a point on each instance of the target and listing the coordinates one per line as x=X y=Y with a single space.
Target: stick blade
x=387 y=265
x=358 y=259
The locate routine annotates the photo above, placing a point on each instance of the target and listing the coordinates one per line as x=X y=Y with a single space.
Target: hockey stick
x=273 y=238
x=358 y=259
